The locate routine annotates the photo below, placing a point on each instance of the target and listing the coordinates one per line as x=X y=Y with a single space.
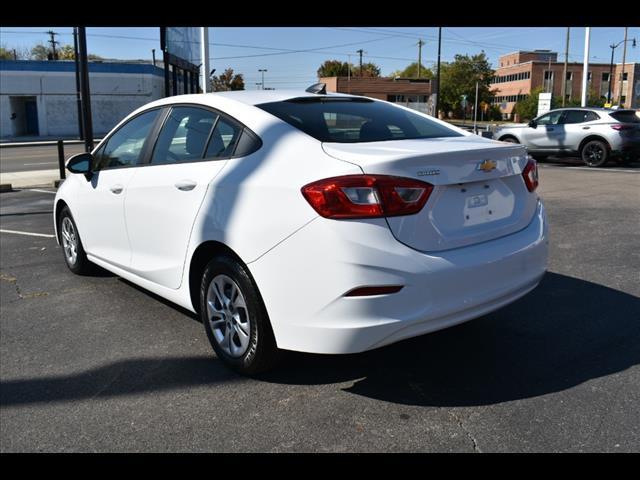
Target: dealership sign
x=544 y=103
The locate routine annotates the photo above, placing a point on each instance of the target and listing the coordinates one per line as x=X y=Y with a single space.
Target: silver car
x=595 y=134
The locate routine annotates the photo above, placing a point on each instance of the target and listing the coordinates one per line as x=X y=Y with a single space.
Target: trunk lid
x=479 y=192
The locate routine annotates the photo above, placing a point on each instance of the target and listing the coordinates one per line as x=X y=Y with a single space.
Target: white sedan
x=305 y=221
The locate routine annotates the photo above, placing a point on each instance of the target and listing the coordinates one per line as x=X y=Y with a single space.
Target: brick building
x=410 y=92
x=518 y=73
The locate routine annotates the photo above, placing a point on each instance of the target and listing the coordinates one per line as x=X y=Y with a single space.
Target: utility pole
x=76 y=60
x=15 y=54
x=349 y=74
x=84 y=89
x=475 y=113
x=564 y=72
x=153 y=56
x=52 y=41
x=585 y=67
x=550 y=87
x=420 y=44
x=360 y=52
x=262 y=70
x=438 y=72
x=624 y=58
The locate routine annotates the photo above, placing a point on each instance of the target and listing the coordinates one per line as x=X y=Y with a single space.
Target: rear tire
x=74 y=255
x=235 y=318
x=509 y=140
x=595 y=153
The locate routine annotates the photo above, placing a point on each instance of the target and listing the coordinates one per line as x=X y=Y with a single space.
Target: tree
x=333 y=68
x=67 y=52
x=411 y=71
x=5 y=54
x=227 y=81
x=459 y=78
x=40 y=52
x=369 y=69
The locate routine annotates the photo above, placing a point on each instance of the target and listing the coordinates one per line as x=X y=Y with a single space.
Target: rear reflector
x=368 y=291
x=530 y=174
x=367 y=196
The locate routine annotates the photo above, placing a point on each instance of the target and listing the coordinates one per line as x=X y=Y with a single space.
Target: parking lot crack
x=23 y=296
x=469 y=435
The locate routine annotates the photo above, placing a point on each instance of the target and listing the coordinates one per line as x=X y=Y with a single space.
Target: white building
x=38 y=98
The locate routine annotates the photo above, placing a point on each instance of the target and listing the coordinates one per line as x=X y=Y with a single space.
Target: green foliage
x=459 y=78
x=39 y=52
x=227 y=81
x=5 y=54
x=333 y=68
x=369 y=69
x=411 y=71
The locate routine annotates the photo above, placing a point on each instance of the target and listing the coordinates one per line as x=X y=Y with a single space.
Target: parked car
x=595 y=134
x=294 y=220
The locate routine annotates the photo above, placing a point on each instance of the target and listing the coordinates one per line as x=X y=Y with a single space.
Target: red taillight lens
x=530 y=174
x=367 y=196
x=620 y=126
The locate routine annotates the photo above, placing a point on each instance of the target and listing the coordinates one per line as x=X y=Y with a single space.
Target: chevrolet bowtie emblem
x=487 y=165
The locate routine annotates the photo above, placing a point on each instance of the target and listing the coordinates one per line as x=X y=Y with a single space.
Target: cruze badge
x=487 y=165
x=433 y=171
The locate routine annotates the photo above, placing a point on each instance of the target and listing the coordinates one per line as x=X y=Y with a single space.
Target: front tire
x=74 y=255
x=595 y=153
x=235 y=319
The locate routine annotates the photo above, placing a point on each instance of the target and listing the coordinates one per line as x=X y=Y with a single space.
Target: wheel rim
x=69 y=240
x=594 y=153
x=228 y=316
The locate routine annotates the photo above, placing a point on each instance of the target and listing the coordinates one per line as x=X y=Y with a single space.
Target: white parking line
x=38 y=190
x=28 y=233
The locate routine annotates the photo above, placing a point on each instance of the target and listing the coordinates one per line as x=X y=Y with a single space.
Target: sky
x=292 y=55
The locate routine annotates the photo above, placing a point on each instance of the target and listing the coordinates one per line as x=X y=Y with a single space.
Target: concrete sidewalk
x=35 y=178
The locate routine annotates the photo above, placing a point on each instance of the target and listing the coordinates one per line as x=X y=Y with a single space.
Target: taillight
x=530 y=174
x=620 y=126
x=367 y=196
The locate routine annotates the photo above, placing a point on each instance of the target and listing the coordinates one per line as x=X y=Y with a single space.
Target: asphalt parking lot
x=97 y=364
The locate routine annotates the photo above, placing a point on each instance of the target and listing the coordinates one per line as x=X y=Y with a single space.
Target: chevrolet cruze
x=307 y=221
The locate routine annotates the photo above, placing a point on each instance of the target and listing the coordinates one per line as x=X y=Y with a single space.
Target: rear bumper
x=303 y=281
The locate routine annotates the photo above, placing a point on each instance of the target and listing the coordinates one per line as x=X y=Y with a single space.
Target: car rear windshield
x=353 y=120
x=626 y=116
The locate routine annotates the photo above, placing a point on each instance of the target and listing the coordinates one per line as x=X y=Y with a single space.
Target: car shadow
x=126 y=377
x=564 y=333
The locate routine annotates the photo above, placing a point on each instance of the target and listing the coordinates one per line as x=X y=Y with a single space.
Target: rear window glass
x=350 y=121
x=628 y=116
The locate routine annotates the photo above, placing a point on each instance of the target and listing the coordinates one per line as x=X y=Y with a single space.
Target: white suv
x=305 y=221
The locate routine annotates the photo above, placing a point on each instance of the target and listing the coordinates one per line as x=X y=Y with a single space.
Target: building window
x=605 y=76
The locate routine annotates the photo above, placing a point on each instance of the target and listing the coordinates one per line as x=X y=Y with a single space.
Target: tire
x=74 y=255
x=230 y=302
x=510 y=140
x=595 y=153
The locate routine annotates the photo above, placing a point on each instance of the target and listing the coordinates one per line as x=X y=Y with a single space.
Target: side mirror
x=533 y=124
x=80 y=163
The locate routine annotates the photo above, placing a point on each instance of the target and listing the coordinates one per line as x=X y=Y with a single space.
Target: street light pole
x=262 y=70
x=613 y=49
x=438 y=72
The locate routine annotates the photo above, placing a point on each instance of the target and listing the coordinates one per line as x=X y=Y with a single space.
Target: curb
x=7 y=187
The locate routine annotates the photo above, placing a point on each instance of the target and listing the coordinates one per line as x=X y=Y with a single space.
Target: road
x=26 y=159
x=96 y=364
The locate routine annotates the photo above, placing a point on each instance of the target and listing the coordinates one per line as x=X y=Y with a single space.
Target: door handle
x=117 y=189
x=186 y=185
x=586 y=128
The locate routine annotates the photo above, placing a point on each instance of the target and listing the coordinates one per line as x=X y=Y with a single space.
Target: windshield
x=352 y=120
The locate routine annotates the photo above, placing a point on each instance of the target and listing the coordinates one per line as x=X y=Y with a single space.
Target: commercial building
x=519 y=73
x=410 y=92
x=38 y=98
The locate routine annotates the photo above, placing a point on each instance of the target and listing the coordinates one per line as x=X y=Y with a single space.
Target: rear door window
x=184 y=135
x=223 y=139
x=578 y=116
